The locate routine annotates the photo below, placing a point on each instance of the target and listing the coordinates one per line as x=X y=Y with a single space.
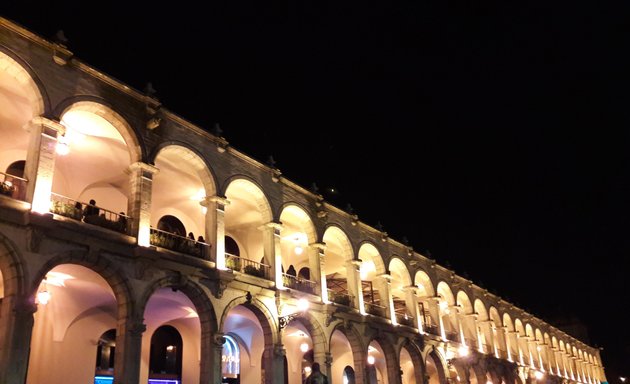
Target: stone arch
x=194 y=158
x=261 y=199
x=440 y=363
x=357 y=346
x=391 y=357
x=370 y=250
x=103 y=110
x=416 y=358
x=18 y=69
x=268 y=321
x=320 y=346
x=398 y=264
x=523 y=350
x=511 y=338
x=303 y=217
x=444 y=290
x=467 y=319
x=337 y=234
x=116 y=279
x=424 y=283
x=11 y=269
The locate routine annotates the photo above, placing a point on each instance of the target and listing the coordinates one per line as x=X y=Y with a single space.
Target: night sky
x=494 y=136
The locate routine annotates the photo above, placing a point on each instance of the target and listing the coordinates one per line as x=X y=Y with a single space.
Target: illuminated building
x=117 y=289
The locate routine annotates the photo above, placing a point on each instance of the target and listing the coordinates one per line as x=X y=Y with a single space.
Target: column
x=215 y=228
x=411 y=302
x=40 y=162
x=214 y=362
x=513 y=349
x=273 y=364
x=139 y=201
x=433 y=306
x=469 y=331
x=485 y=327
x=353 y=273
x=16 y=325
x=318 y=273
x=383 y=283
x=532 y=347
x=272 y=251
x=128 y=350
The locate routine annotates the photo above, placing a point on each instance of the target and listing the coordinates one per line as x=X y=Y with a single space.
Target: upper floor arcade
x=87 y=149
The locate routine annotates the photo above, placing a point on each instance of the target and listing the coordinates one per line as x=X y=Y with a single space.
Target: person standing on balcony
x=90 y=211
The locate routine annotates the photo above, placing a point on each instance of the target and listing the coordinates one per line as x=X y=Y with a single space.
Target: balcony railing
x=340 y=298
x=375 y=309
x=250 y=267
x=486 y=348
x=405 y=319
x=502 y=354
x=432 y=329
x=91 y=214
x=12 y=186
x=452 y=336
x=179 y=243
x=298 y=283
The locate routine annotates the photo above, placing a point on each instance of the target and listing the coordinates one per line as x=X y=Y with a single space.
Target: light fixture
x=170 y=348
x=371 y=360
x=622 y=378
x=538 y=375
x=302 y=305
x=43 y=297
x=298 y=250
x=304 y=347
x=62 y=147
x=463 y=351
x=307 y=370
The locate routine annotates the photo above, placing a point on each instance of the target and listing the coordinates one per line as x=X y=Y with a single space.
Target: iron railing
x=340 y=298
x=12 y=186
x=179 y=243
x=299 y=283
x=432 y=329
x=405 y=319
x=375 y=309
x=250 y=267
x=91 y=214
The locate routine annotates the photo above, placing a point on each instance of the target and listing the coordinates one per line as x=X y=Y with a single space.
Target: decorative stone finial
x=271 y=162
x=217 y=131
x=60 y=38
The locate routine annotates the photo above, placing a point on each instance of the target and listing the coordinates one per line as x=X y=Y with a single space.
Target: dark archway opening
x=166 y=355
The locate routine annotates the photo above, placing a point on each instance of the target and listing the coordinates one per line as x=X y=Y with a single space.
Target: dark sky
x=493 y=135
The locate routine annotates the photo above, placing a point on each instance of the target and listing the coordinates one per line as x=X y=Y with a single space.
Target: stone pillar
x=485 y=328
x=411 y=302
x=499 y=341
x=511 y=338
x=40 y=162
x=214 y=354
x=273 y=364
x=272 y=251
x=353 y=273
x=433 y=306
x=128 y=351
x=383 y=283
x=215 y=228
x=469 y=330
x=316 y=264
x=139 y=201
x=16 y=325
x=532 y=347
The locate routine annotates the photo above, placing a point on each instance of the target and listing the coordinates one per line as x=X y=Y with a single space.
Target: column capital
x=48 y=123
x=385 y=276
x=140 y=166
x=275 y=225
x=318 y=246
x=219 y=200
x=136 y=328
x=354 y=262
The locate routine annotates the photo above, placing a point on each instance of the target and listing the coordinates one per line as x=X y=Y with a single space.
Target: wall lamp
x=302 y=305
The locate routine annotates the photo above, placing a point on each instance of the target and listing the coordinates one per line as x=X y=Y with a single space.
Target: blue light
x=103 y=379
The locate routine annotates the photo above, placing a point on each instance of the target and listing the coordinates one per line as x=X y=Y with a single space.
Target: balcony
x=249 y=267
x=299 y=283
x=90 y=214
x=375 y=309
x=452 y=336
x=179 y=243
x=431 y=329
x=12 y=186
x=405 y=319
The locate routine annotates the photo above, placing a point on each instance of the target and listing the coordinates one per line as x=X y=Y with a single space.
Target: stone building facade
x=195 y=261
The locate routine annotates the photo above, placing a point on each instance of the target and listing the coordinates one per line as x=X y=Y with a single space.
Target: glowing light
x=303 y=305
x=623 y=379
x=62 y=147
x=443 y=305
x=170 y=348
x=538 y=348
x=43 y=297
x=298 y=250
x=304 y=347
x=204 y=210
x=489 y=382
x=463 y=351
x=371 y=360
x=57 y=279
x=538 y=375
x=345 y=379
x=144 y=234
x=41 y=196
x=8 y=183
x=307 y=370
